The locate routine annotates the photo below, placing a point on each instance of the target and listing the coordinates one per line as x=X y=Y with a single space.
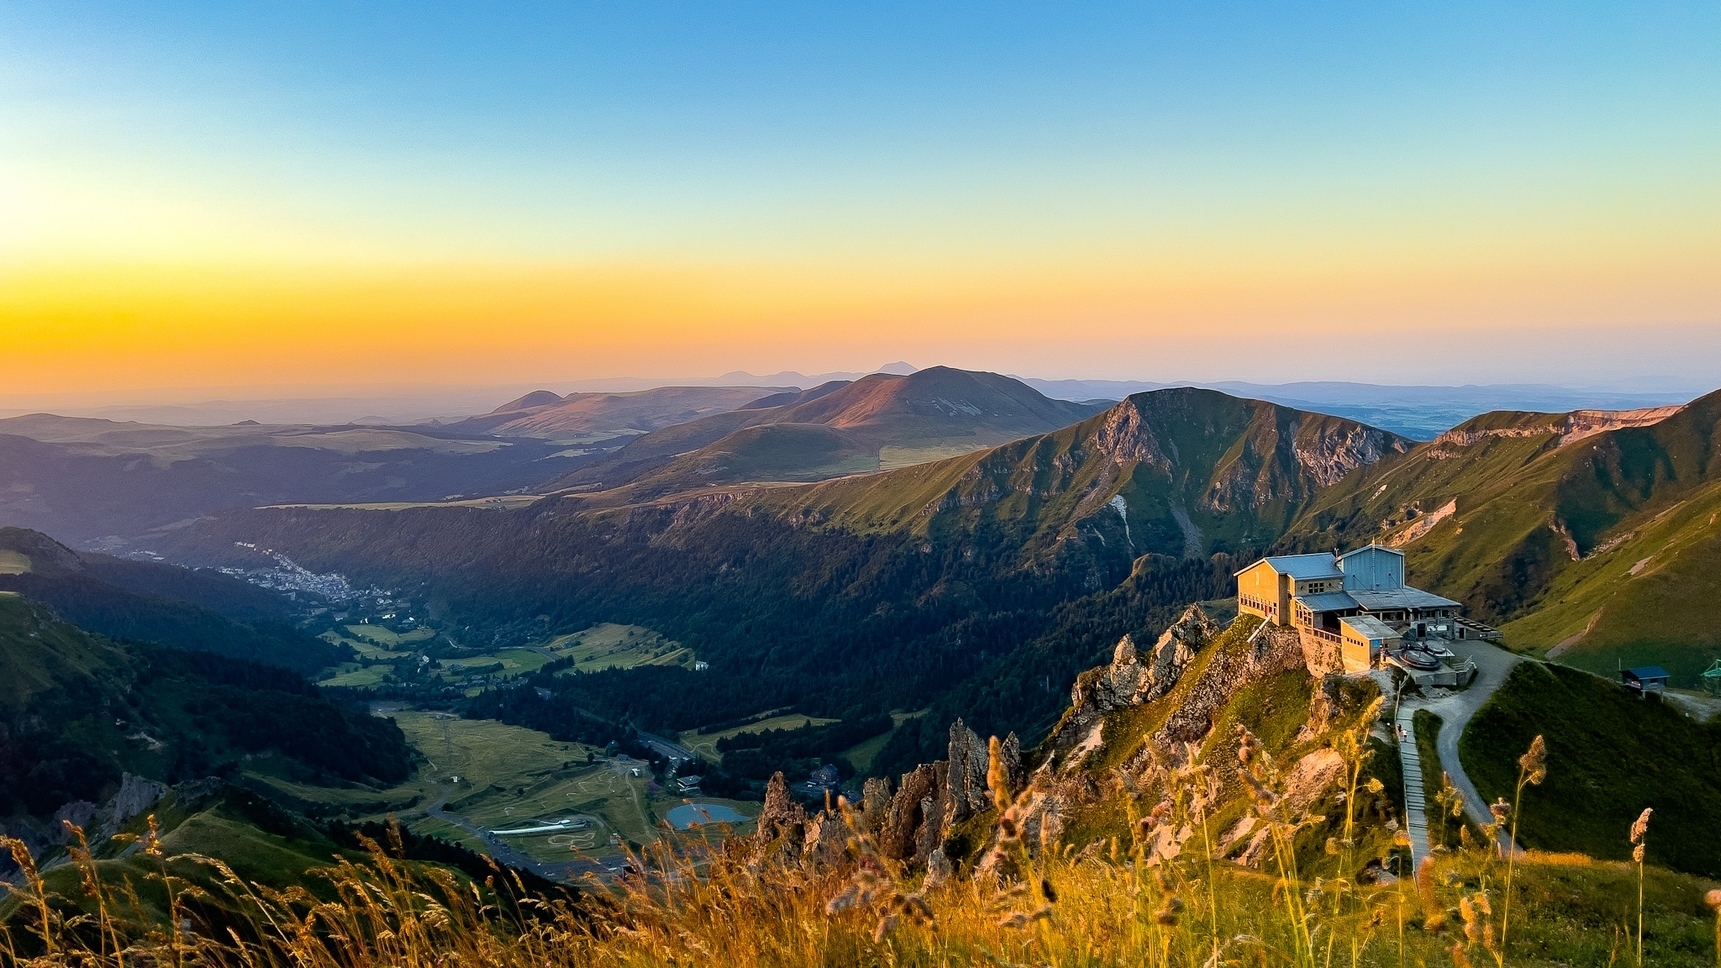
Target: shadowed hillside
x=159 y=604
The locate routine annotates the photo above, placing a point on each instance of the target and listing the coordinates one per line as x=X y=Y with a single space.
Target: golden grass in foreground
x=740 y=901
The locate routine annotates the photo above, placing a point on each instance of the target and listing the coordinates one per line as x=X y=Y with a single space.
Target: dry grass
x=1155 y=899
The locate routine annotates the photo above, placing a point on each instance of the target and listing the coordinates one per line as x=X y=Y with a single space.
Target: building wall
x=1264 y=592
x=1372 y=569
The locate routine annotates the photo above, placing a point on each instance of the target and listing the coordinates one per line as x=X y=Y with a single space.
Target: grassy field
x=611 y=646
x=388 y=638
x=1610 y=755
x=509 y=777
x=14 y=563
x=1647 y=600
x=705 y=744
x=515 y=662
x=862 y=754
x=353 y=674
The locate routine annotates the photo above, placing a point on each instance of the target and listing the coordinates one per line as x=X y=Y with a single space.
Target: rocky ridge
x=921 y=822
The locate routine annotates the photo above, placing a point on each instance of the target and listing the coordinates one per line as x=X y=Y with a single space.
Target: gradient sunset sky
x=306 y=195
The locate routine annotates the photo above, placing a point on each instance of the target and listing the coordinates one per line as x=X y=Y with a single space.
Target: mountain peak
x=531 y=401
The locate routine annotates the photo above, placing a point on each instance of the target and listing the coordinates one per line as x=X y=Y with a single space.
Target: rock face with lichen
x=936 y=797
x=1131 y=679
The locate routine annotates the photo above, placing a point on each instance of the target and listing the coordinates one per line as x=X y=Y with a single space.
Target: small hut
x=1645 y=679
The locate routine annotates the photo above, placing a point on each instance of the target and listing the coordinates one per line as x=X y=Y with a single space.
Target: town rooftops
x=1303 y=567
x=1387 y=599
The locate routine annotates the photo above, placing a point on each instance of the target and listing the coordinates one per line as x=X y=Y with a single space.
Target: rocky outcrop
x=1570 y=427
x=910 y=808
x=966 y=775
x=1272 y=651
x=1312 y=777
x=136 y=795
x=782 y=817
x=827 y=840
x=936 y=797
x=1131 y=679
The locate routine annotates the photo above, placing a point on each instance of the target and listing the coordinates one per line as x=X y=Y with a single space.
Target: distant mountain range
x=576 y=416
x=86 y=480
x=838 y=428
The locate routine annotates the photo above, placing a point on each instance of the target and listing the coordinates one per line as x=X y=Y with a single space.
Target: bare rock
x=827 y=840
x=1132 y=678
x=79 y=812
x=135 y=796
x=968 y=764
x=938 y=868
x=1312 y=777
x=907 y=814
x=781 y=815
x=875 y=802
x=1273 y=651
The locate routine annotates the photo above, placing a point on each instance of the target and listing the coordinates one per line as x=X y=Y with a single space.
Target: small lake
x=695 y=814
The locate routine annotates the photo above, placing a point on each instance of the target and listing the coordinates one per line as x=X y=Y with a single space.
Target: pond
x=695 y=814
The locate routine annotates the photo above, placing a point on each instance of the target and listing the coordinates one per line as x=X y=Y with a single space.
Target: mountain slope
x=1176 y=472
x=136 y=601
x=879 y=421
x=78 y=710
x=1590 y=535
x=544 y=414
x=895 y=590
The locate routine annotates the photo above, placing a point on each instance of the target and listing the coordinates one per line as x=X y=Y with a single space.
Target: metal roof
x=1327 y=601
x=1641 y=673
x=1369 y=627
x=1371 y=547
x=1303 y=567
x=1385 y=599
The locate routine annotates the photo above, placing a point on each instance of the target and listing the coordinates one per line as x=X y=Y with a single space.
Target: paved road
x=1455 y=708
x=671 y=750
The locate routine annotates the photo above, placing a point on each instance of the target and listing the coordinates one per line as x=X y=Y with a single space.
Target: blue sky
x=1325 y=148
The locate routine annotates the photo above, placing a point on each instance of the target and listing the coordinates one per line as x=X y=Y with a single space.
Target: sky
x=313 y=196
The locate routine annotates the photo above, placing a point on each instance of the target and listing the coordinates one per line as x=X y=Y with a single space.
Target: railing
x=1321 y=634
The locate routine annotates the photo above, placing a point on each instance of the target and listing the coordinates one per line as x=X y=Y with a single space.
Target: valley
x=557 y=680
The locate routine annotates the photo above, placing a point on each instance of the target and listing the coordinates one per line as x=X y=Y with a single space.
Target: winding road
x=1455 y=709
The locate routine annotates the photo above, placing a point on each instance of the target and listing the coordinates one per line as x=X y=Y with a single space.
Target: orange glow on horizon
x=75 y=328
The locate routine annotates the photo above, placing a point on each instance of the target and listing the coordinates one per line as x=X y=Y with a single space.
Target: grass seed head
x=1640 y=826
x=1534 y=762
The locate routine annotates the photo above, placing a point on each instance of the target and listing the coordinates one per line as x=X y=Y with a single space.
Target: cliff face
x=1131 y=722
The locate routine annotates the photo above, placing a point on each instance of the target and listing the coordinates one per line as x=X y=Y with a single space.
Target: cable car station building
x=1355 y=602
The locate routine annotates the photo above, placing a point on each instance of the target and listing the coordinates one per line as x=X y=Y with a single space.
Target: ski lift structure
x=1712 y=678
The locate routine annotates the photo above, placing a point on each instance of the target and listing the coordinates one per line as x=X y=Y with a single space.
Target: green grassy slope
x=1609 y=756
x=1602 y=547
x=77 y=710
x=1197 y=471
